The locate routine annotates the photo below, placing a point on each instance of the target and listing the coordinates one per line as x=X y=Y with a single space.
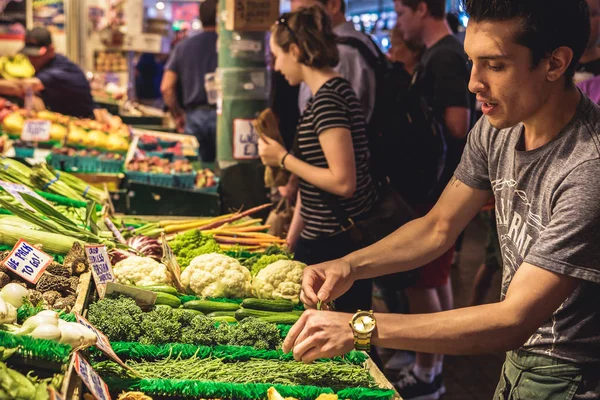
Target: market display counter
x=145 y=199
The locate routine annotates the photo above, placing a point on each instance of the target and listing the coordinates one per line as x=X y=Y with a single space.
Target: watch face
x=364 y=323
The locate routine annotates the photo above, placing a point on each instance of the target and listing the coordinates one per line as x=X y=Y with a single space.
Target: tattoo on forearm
x=454 y=182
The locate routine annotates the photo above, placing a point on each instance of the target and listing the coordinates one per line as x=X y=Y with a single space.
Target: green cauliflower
x=192 y=244
x=201 y=332
x=255 y=333
x=160 y=326
x=118 y=318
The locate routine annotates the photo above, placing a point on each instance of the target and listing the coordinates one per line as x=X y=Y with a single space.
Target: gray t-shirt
x=548 y=215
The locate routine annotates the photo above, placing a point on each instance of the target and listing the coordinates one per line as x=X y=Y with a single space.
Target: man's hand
x=326 y=282
x=319 y=334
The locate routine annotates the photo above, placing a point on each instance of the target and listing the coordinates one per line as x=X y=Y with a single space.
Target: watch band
x=362 y=342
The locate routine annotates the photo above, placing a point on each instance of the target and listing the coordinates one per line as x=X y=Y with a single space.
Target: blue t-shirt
x=66 y=89
x=193 y=58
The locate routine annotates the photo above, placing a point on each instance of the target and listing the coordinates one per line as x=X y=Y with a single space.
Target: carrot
x=257 y=228
x=168 y=222
x=247 y=223
x=235 y=217
x=256 y=235
x=194 y=225
x=235 y=246
x=253 y=241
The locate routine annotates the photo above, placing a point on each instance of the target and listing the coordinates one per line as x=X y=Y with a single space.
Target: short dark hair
x=208 y=13
x=342 y=4
x=310 y=29
x=545 y=26
x=437 y=8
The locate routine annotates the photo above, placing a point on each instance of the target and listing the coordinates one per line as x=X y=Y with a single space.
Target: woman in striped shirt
x=331 y=155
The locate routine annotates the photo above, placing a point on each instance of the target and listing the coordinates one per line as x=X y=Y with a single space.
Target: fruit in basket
x=76 y=135
x=13 y=123
x=205 y=178
x=116 y=142
x=47 y=115
x=96 y=138
x=58 y=132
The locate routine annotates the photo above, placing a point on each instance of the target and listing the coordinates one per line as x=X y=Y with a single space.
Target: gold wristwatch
x=363 y=324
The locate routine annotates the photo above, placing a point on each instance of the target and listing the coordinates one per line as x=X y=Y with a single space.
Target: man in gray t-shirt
x=537 y=152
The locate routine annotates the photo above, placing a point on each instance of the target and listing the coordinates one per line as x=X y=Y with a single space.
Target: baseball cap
x=37 y=41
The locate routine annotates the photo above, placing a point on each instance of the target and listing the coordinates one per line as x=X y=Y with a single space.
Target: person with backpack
x=536 y=152
x=442 y=80
x=337 y=195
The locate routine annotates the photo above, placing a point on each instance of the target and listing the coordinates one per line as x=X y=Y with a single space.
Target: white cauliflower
x=216 y=275
x=141 y=271
x=279 y=280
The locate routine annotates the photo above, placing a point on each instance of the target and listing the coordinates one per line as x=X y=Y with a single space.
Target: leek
x=52 y=243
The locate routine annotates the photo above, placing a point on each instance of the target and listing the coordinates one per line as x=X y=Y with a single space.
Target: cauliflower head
x=141 y=271
x=217 y=275
x=279 y=280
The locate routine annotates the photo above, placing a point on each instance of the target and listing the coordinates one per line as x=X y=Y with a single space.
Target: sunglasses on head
x=283 y=22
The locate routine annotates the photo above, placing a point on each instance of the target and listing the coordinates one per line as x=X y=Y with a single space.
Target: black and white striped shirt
x=335 y=105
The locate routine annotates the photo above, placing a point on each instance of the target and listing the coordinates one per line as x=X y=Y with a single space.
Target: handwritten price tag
x=36 y=130
x=101 y=269
x=102 y=343
x=245 y=140
x=91 y=379
x=27 y=261
x=16 y=189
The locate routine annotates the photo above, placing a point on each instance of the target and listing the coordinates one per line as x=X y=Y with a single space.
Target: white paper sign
x=245 y=140
x=36 y=130
x=16 y=189
x=100 y=264
x=91 y=378
x=27 y=261
x=102 y=342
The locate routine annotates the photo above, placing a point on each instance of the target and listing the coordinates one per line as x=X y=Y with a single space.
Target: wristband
x=282 y=163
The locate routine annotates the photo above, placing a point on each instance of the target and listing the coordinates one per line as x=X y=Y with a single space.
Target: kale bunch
x=119 y=318
x=256 y=333
x=160 y=326
x=201 y=331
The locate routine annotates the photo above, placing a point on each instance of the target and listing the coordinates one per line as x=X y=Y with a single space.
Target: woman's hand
x=270 y=152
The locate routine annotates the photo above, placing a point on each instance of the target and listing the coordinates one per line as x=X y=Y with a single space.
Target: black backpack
x=407 y=144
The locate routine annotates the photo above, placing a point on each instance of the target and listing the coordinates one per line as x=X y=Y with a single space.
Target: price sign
x=27 y=261
x=16 y=189
x=91 y=379
x=36 y=130
x=170 y=261
x=245 y=140
x=102 y=343
x=100 y=264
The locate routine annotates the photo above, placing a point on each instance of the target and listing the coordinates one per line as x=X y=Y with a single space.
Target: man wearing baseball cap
x=59 y=82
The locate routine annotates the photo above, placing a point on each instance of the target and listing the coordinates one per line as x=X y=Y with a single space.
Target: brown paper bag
x=267 y=126
x=280 y=219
